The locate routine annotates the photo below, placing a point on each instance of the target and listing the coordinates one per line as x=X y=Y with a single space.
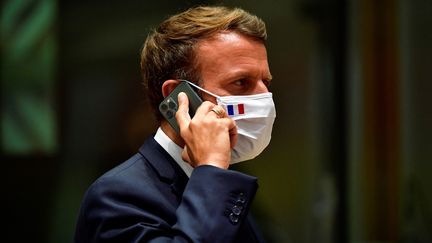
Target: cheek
x=207 y=97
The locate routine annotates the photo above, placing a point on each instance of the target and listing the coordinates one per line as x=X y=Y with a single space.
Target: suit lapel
x=164 y=165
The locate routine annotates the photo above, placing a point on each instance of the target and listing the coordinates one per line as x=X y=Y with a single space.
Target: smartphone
x=169 y=106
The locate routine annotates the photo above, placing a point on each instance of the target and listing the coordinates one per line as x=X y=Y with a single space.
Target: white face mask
x=254 y=116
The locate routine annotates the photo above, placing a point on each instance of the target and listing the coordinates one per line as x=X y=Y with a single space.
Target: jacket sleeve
x=215 y=204
x=213 y=207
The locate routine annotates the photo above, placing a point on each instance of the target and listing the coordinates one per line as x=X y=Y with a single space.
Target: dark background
x=351 y=151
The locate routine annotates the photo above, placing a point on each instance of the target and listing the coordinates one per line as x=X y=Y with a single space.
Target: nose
x=260 y=87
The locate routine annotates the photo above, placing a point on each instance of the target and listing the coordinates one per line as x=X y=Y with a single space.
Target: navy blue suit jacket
x=149 y=198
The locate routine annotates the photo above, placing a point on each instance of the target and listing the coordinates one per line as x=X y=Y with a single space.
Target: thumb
x=182 y=114
x=185 y=155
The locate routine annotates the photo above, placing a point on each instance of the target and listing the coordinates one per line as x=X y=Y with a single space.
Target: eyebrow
x=242 y=73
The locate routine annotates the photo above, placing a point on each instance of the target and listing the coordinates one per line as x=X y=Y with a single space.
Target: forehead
x=227 y=39
x=229 y=51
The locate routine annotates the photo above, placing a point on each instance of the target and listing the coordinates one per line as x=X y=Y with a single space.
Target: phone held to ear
x=169 y=106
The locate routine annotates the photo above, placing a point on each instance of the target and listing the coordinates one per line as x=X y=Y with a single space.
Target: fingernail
x=181 y=95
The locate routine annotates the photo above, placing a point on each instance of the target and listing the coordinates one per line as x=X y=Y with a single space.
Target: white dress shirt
x=174 y=150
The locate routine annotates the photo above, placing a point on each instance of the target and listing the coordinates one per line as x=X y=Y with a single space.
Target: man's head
x=177 y=48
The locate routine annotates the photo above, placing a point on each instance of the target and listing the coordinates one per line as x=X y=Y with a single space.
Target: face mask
x=254 y=116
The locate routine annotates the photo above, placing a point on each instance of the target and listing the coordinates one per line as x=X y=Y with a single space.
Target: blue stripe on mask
x=230 y=110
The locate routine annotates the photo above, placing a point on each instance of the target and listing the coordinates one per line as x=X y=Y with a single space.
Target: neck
x=169 y=131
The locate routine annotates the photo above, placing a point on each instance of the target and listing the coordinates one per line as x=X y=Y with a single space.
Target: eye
x=240 y=82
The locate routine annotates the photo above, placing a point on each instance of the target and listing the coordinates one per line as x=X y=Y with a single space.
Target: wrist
x=220 y=164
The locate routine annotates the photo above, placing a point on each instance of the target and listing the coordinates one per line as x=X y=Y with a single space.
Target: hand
x=209 y=137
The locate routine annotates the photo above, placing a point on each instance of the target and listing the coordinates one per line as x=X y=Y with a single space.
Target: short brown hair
x=168 y=52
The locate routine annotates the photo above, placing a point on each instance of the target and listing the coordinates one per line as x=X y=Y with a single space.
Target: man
x=149 y=198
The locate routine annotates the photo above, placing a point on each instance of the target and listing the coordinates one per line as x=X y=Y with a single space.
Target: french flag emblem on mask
x=237 y=109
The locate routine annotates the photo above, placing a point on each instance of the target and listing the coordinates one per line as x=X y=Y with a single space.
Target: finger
x=182 y=115
x=219 y=111
x=204 y=109
x=233 y=134
x=232 y=130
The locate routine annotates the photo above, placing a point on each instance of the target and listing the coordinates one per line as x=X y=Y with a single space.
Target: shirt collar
x=173 y=150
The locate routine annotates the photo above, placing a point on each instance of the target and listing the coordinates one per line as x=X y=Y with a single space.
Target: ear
x=168 y=86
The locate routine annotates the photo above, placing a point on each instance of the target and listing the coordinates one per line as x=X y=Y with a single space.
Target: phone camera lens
x=169 y=114
x=172 y=105
x=164 y=107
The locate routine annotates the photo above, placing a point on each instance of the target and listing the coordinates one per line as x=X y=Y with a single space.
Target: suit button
x=233 y=218
x=241 y=199
x=237 y=210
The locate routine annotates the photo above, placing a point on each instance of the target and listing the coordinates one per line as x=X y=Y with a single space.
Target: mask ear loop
x=198 y=87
